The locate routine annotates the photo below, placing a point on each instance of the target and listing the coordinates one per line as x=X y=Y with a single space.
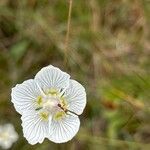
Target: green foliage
x=18 y=50
x=108 y=53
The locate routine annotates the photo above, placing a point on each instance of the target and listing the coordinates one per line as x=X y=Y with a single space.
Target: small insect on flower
x=49 y=104
x=8 y=136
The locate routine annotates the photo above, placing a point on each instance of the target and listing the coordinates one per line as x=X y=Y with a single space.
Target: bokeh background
x=109 y=53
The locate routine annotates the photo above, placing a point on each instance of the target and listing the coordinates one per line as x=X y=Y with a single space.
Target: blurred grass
x=109 y=53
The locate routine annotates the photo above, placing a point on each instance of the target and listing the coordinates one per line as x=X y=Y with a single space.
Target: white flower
x=49 y=104
x=8 y=136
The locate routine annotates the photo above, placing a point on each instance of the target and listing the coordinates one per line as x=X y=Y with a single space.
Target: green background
x=109 y=53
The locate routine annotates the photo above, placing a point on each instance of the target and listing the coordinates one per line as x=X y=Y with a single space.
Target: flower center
x=52 y=103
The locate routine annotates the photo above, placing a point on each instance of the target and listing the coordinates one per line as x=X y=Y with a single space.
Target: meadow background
x=109 y=53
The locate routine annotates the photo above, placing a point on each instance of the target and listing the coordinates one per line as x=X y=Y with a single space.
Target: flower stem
x=68 y=33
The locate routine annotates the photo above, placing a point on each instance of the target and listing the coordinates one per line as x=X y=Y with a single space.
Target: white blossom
x=49 y=104
x=8 y=136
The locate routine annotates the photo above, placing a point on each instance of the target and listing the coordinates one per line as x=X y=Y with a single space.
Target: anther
x=38 y=108
x=66 y=110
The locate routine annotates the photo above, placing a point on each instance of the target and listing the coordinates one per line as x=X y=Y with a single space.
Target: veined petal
x=64 y=129
x=75 y=96
x=52 y=77
x=24 y=95
x=34 y=128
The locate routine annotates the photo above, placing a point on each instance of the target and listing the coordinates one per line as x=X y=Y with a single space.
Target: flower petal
x=75 y=96
x=24 y=95
x=52 y=77
x=9 y=128
x=6 y=144
x=34 y=128
x=64 y=129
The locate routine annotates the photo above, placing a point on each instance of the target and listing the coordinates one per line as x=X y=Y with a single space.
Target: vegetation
x=109 y=53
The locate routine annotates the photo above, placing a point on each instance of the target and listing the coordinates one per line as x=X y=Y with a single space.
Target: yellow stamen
x=59 y=115
x=39 y=100
x=53 y=91
x=44 y=116
x=63 y=102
